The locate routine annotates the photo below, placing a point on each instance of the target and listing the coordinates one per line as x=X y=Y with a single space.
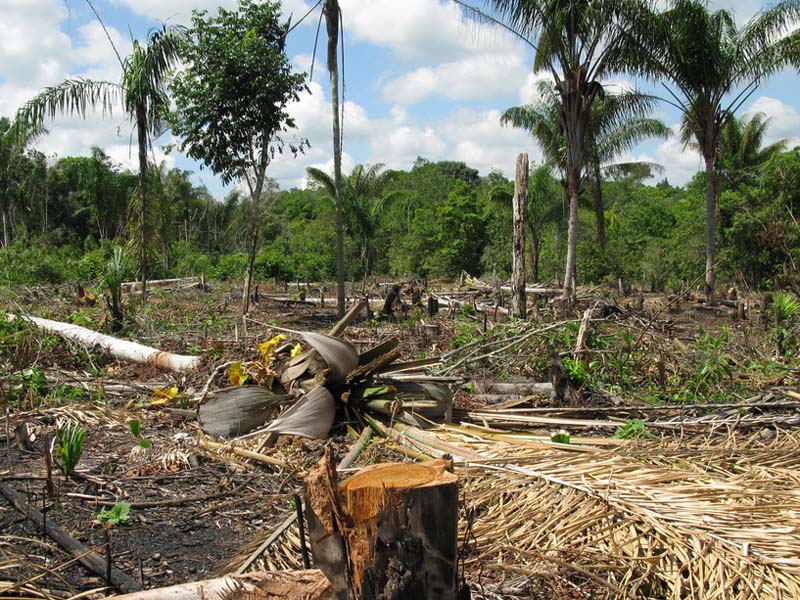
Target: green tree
x=14 y=138
x=144 y=97
x=364 y=196
x=232 y=98
x=714 y=68
x=579 y=43
x=616 y=123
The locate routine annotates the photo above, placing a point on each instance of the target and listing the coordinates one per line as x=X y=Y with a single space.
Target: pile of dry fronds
x=715 y=517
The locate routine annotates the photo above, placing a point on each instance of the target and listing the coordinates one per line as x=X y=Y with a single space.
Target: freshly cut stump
x=390 y=531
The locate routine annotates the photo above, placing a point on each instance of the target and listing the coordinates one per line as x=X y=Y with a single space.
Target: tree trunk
x=331 y=11
x=599 y=209
x=120 y=349
x=255 y=229
x=390 y=531
x=711 y=229
x=572 y=235
x=141 y=130
x=520 y=209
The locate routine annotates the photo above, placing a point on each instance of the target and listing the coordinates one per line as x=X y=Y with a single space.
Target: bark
x=331 y=11
x=258 y=585
x=255 y=223
x=518 y=300
x=141 y=123
x=572 y=236
x=120 y=349
x=390 y=531
x=711 y=229
x=599 y=209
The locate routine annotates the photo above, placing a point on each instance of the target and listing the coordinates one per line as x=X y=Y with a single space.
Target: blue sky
x=420 y=81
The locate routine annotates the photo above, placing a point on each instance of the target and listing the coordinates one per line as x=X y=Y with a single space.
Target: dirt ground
x=195 y=512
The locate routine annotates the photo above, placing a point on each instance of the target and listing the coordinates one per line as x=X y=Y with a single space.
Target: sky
x=420 y=80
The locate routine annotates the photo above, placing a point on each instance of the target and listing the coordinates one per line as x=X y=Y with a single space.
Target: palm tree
x=333 y=18
x=715 y=68
x=579 y=42
x=616 y=124
x=741 y=154
x=363 y=199
x=143 y=92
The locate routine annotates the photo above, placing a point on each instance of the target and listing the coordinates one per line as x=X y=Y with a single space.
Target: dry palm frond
x=647 y=530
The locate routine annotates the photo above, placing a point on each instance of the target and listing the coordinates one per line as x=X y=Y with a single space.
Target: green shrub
x=230 y=266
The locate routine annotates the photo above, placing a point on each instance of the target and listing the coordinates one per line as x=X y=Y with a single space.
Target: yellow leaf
x=267 y=348
x=297 y=350
x=163 y=396
x=236 y=375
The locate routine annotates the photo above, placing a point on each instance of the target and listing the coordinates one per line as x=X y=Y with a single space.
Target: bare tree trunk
x=331 y=11
x=711 y=229
x=141 y=122
x=599 y=209
x=572 y=235
x=5 y=228
x=520 y=209
x=255 y=229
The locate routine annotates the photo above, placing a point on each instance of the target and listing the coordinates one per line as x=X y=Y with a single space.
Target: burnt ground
x=194 y=512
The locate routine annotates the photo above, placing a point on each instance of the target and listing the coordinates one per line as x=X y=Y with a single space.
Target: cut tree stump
x=388 y=532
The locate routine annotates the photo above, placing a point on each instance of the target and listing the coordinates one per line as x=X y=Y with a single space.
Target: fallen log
x=130 y=286
x=88 y=558
x=120 y=349
x=260 y=585
x=390 y=531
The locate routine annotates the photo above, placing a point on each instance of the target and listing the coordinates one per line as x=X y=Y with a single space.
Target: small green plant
x=634 y=429
x=576 y=370
x=70 y=446
x=560 y=437
x=117 y=515
x=115 y=275
x=136 y=429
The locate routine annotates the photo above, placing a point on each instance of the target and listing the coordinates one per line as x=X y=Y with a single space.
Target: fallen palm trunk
x=130 y=286
x=284 y=585
x=120 y=349
x=387 y=532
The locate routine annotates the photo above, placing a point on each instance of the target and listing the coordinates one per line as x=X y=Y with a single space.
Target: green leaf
x=118 y=513
x=136 y=427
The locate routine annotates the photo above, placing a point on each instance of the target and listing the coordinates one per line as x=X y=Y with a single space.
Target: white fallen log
x=120 y=349
x=131 y=286
x=291 y=585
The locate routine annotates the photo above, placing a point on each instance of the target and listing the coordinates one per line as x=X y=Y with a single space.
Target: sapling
x=70 y=446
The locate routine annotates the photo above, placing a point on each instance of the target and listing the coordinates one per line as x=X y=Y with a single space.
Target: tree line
x=434 y=220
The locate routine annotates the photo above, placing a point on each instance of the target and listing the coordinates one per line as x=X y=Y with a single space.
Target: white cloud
x=180 y=11
x=421 y=31
x=479 y=77
x=680 y=164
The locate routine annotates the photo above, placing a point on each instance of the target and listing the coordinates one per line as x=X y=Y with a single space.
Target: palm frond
x=73 y=97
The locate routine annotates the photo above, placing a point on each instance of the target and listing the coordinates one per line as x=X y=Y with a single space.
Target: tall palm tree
x=616 y=124
x=143 y=92
x=333 y=19
x=363 y=202
x=715 y=68
x=579 y=43
x=741 y=152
